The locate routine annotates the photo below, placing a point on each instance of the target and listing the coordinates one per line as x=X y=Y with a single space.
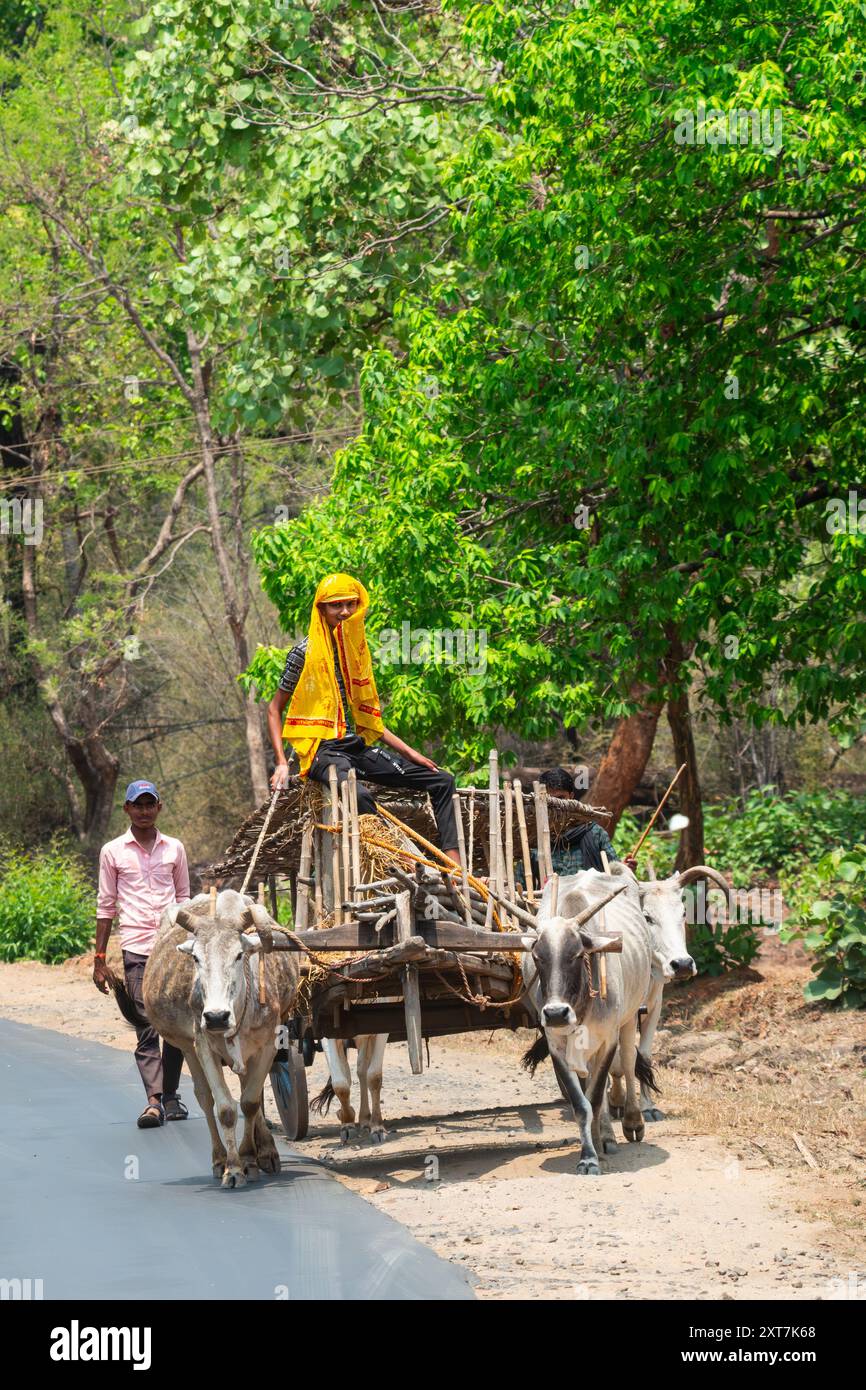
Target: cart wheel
x=289 y=1085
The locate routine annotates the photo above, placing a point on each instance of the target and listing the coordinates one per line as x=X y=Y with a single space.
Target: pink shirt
x=137 y=884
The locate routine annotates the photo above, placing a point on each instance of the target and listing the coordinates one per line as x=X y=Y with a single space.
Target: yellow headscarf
x=315 y=710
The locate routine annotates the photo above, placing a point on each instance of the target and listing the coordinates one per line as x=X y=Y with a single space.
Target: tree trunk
x=688 y=789
x=625 y=761
x=235 y=599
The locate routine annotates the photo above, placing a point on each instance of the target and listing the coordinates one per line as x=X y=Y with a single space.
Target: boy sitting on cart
x=327 y=708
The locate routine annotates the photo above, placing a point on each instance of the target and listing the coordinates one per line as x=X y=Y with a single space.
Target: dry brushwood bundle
x=281 y=848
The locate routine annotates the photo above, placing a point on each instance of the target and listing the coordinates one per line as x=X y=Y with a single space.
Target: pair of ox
x=201 y=993
x=589 y=1036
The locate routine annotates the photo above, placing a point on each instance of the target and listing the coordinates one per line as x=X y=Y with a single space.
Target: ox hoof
x=617 y=1112
x=633 y=1132
x=251 y=1170
x=588 y=1168
x=610 y=1146
x=234 y=1177
x=652 y=1113
x=347 y=1133
x=269 y=1162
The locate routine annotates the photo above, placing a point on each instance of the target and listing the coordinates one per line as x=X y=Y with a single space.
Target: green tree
x=617 y=456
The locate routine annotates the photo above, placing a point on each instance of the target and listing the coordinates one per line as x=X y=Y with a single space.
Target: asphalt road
x=96 y=1208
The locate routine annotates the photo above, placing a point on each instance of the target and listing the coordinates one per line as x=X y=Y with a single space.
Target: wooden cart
x=434 y=950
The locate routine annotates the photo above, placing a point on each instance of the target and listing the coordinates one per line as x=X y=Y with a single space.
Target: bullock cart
x=398 y=939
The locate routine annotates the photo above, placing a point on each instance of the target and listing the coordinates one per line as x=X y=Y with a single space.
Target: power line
x=156 y=459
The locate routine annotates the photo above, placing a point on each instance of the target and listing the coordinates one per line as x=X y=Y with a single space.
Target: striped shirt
x=292 y=674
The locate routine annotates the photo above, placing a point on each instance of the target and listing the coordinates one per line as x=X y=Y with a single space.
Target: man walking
x=140 y=874
x=328 y=709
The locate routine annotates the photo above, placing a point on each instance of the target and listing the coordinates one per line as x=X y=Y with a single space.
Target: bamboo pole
x=317 y=874
x=303 y=896
x=345 y=838
x=554 y=894
x=355 y=827
x=461 y=850
x=524 y=837
x=262 y=985
x=335 y=846
x=541 y=841
x=493 y=829
x=471 y=846
x=213 y=901
x=655 y=814
x=509 y=836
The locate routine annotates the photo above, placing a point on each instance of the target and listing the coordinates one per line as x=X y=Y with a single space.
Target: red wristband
x=99 y=955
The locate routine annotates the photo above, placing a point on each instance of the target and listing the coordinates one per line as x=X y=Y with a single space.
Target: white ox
x=582 y=1030
x=200 y=992
x=662 y=903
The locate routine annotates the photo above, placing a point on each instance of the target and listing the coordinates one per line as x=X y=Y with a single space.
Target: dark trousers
x=384 y=765
x=159 y=1074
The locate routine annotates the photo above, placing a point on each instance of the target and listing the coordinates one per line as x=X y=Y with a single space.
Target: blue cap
x=137 y=789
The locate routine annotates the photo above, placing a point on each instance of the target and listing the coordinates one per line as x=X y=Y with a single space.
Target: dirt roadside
x=719 y=1202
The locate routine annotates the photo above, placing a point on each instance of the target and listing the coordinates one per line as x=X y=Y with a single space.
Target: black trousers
x=389 y=768
x=160 y=1074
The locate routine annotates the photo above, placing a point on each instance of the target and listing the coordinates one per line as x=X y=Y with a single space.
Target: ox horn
x=588 y=912
x=184 y=919
x=704 y=871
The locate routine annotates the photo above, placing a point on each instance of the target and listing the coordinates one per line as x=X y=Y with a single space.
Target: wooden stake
x=303 y=897
x=602 y=960
x=655 y=815
x=335 y=846
x=355 y=825
x=509 y=836
x=471 y=846
x=554 y=894
x=213 y=897
x=317 y=874
x=542 y=834
x=411 y=987
x=493 y=829
x=461 y=850
x=524 y=837
x=345 y=839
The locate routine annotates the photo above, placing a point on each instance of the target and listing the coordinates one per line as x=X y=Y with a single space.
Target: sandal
x=152 y=1116
x=175 y=1109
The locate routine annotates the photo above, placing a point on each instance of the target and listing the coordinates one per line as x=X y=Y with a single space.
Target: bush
x=774 y=834
x=47 y=905
x=723 y=946
x=832 y=925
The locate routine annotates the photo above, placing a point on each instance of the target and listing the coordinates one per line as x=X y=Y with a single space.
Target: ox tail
x=129 y=1008
x=321 y=1104
x=535 y=1055
x=644 y=1073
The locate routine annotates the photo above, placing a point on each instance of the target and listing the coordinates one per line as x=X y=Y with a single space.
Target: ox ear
x=186 y=946
x=251 y=941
